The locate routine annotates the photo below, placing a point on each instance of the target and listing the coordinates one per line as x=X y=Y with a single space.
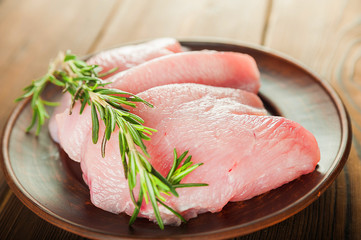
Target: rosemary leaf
x=123 y=149
x=132 y=171
x=137 y=206
x=152 y=196
x=33 y=120
x=95 y=124
x=172 y=210
x=108 y=72
x=184 y=185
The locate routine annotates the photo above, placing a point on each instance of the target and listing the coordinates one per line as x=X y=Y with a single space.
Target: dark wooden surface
x=324 y=35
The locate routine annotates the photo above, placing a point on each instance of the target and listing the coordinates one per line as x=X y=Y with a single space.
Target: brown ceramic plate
x=50 y=184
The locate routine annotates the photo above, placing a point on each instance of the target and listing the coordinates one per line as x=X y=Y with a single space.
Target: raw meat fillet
x=64 y=104
x=76 y=128
x=133 y=55
x=227 y=69
x=123 y=58
x=222 y=69
x=70 y=131
x=244 y=155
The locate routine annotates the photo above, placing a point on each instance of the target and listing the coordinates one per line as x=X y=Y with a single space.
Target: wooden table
x=324 y=35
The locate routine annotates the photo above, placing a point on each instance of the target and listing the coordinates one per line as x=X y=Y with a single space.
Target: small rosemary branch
x=109 y=105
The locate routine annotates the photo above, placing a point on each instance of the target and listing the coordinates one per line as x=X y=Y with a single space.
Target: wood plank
x=35 y=32
x=138 y=20
x=32 y=33
x=326 y=36
x=21 y=223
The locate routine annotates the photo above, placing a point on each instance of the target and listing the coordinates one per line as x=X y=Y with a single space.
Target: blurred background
x=323 y=35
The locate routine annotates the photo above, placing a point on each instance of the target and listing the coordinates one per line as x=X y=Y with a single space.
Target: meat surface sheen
x=225 y=69
x=133 y=55
x=244 y=151
x=221 y=69
x=123 y=58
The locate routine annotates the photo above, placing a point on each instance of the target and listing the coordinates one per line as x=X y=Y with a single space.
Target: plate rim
x=253 y=226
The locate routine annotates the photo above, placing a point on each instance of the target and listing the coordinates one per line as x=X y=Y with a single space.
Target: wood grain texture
x=139 y=20
x=324 y=35
x=33 y=33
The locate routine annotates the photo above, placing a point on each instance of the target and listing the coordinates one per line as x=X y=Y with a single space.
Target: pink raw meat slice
x=226 y=69
x=221 y=69
x=123 y=58
x=133 y=55
x=64 y=104
x=76 y=128
x=244 y=155
x=70 y=131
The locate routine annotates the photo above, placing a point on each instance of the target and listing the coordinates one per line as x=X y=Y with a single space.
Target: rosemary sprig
x=110 y=106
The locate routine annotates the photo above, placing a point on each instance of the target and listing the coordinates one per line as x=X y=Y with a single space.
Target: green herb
x=110 y=106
